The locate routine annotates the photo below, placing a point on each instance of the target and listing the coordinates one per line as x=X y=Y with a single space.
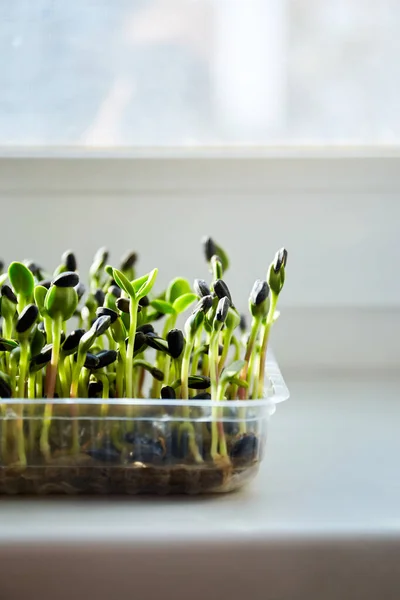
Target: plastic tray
x=130 y=446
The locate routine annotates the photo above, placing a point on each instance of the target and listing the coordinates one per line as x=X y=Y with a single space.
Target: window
x=133 y=73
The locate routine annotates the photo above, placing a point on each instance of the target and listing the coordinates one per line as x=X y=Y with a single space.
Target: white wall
x=341 y=225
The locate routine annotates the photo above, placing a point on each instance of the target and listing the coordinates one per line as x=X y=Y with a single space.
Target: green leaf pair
x=178 y=298
x=22 y=282
x=138 y=288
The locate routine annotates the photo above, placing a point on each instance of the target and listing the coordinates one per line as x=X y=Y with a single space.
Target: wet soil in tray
x=83 y=475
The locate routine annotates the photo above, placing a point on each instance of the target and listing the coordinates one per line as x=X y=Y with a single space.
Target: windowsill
x=231 y=151
x=212 y=171
x=326 y=500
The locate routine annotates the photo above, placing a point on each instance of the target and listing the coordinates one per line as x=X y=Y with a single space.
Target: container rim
x=276 y=392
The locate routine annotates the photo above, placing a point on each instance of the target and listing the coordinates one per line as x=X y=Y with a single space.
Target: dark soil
x=85 y=475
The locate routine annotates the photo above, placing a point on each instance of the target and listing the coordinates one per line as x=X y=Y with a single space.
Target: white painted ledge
x=250 y=172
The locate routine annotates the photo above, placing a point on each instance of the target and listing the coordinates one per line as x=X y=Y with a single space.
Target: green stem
x=264 y=344
x=256 y=369
x=130 y=349
x=77 y=366
x=196 y=354
x=217 y=428
x=177 y=362
x=32 y=422
x=111 y=342
x=193 y=448
x=185 y=373
x=255 y=326
x=225 y=350
x=250 y=373
x=23 y=367
x=68 y=370
x=106 y=392
x=206 y=365
x=13 y=374
x=234 y=387
x=22 y=302
x=163 y=361
x=166 y=370
x=55 y=355
x=39 y=384
x=213 y=354
x=76 y=369
x=8 y=330
x=63 y=377
x=83 y=383
x=50 y=386
x=119 y=382
x=223 y=451
x=48 y=323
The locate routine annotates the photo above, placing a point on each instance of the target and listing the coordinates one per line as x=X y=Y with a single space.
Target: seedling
x=117 y=342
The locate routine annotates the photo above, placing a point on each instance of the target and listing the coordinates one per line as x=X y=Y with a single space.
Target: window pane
x=199 y=72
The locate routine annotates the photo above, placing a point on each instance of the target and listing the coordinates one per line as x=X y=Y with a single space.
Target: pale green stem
x=32 y=422
x=105 y=394
x=76 y=370
x=119 y=383
x=63 y=377
x=222 y=440
x=238 y=348
x=39 y=384
x=234 y=387
x=23 y=366
x=22 y=302
x=163 y=361
x=264 y=344
x=130 y=349
x=225 y=350
x=48 y=325
x=13 y=374
x=111 y=342
x=50 y=386
x=206 y=365
x=177 y=362
x=196 y=356
x=255 y=326
x=250 y=372
x=185 y=372
x=255 y=379
x=68 y=371
x=83 y=383
x=192 y=441
x=8 y=328
x=217 y=427
x=213 y=353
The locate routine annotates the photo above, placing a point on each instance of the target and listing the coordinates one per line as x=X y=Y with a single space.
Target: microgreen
x=116 y=338
x=22 y=282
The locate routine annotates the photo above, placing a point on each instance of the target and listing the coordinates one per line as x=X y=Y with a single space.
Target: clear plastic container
x=134 y=446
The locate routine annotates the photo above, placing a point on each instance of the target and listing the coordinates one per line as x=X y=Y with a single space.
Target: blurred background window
x=126 y=73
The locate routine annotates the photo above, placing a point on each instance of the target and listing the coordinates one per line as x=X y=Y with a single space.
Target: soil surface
x=83 y=475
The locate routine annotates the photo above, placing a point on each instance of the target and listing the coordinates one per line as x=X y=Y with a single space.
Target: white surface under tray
x=321 y=521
